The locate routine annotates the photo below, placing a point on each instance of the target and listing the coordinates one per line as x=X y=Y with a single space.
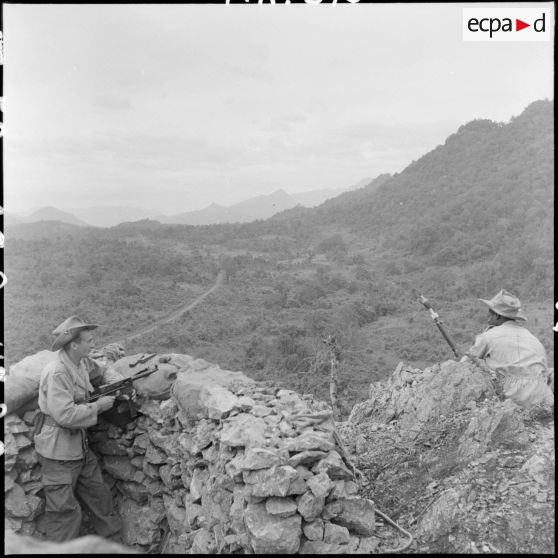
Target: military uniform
x=515 y=352
x=520 y=357
x=70 y=471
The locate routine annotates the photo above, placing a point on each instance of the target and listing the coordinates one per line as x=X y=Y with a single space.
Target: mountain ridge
x=251 y=209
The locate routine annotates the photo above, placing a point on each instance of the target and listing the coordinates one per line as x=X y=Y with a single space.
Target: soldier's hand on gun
x=105 y=403
x=129 y=394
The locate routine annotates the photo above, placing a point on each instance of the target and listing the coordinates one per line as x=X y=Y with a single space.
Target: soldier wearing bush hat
x=511 y=349
x=69 y=469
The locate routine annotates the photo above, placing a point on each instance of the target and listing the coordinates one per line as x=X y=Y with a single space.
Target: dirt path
x=173 y=315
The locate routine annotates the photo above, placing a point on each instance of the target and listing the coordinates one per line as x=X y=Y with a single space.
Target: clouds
x=209 y=103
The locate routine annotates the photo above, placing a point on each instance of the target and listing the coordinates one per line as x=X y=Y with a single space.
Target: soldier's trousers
x=66 y=485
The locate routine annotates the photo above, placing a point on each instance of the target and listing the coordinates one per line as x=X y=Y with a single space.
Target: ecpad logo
x=507 y=24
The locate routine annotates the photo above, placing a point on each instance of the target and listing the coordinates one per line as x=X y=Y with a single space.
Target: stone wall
x=224 y=465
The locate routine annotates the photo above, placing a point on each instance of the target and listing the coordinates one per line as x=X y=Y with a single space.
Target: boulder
x=202 y=436
x=280 y=507
x=244 y=403
x=22 y=442
x=10 y=451
x=310 y=440
x=270 y=482
x=270 y=534
x=310 y=506
x=261 y=411
x=14 y=425
x=105 y=446
x=186 y=389
x=119 y=467
x=157 y=510
x=298 y=486
x=165 y=442
x=495 y=425
x=261 y=458
x=155 y=455
x=243 y=430
x=137 y=528
x=335 y=534
x=314 y=530
x=416 y=396
x=320 y=484
x=9 y=479
x=357 y=514
x=176 y=517
x=306 y=457
x=216 y=401
x=19 y=504
x=134 y=490
x=198 y=482
x=333 y=466
x=203 y=543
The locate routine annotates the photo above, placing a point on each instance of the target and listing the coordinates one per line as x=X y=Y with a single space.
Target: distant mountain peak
x=279 y=192
x=49 y=213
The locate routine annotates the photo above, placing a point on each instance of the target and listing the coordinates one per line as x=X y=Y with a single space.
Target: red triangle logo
x=519 y=25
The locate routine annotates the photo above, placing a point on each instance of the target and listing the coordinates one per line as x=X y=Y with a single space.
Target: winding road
x=173 y=315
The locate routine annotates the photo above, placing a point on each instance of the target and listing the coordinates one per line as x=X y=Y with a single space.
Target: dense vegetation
x=471 y=217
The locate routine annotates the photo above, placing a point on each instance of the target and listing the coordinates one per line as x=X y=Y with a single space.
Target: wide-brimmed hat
x=507 y=305
x=68 y=330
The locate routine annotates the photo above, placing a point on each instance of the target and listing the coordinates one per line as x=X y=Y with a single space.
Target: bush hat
x=68 y=330
x=507 y=305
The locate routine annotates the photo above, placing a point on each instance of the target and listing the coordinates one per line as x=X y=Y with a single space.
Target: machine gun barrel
x=122 y=385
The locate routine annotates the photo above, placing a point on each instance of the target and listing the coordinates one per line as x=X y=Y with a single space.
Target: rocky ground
x=451 y=463
x=221 y=464
x=214 y=463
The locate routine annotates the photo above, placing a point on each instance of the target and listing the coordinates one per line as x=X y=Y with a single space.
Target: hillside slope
x=467 y=219
x=460 y=469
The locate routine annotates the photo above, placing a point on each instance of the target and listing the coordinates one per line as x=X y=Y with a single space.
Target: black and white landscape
x=238 y=183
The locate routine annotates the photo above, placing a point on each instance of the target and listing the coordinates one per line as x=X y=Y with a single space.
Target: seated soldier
x=512 y=350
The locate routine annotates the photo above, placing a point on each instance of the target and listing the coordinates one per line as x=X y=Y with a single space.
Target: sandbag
x=22 y=380
x=157 y=385
x=18 y=391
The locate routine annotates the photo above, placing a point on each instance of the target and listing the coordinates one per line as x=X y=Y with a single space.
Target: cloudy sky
x=173 y=107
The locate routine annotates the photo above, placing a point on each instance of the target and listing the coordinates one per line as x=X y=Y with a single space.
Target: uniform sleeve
x=61 y=405
x=480 y=347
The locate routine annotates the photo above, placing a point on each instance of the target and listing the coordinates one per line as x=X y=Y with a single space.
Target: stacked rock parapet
x=224 y=465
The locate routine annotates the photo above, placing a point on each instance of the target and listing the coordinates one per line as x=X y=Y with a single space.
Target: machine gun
x=125 y=411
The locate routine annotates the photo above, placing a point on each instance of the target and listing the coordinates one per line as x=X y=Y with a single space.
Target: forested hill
x=469 y=218
x=485 y=195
